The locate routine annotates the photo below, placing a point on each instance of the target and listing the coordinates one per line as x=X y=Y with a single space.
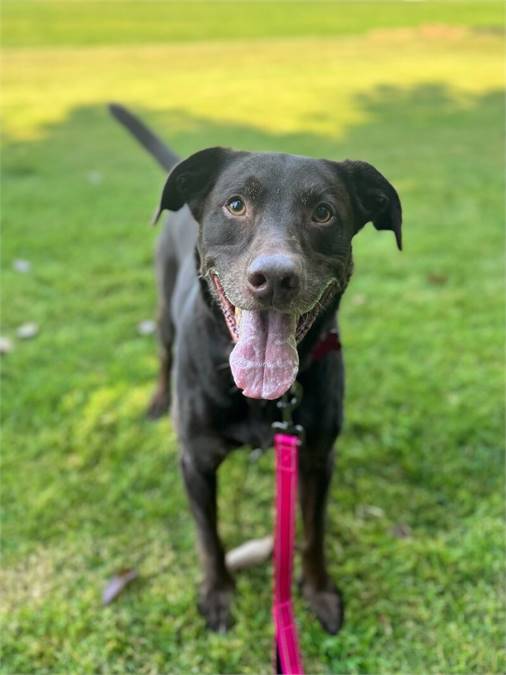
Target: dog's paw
x=214 y=605
x=326 y=604
x=159 y=405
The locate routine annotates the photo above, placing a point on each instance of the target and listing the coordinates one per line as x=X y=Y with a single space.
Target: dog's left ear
x=190 y=181
x=374 y=198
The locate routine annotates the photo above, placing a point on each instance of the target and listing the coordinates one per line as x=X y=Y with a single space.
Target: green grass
x=60 y=22
x=89 y=487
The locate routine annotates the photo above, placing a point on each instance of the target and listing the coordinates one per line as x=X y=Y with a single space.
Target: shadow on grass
x=394 y=116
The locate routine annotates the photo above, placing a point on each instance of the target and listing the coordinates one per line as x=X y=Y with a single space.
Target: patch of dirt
x=428 y=31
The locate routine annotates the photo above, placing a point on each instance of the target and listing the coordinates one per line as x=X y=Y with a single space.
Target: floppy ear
x=374 y=198
x=191 y=180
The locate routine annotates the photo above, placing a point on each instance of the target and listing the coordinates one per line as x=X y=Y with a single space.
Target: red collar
x=328 y=342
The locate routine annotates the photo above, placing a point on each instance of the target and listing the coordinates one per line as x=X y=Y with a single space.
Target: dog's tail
x=154 y=145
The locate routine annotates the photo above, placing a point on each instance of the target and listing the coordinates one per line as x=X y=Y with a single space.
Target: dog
x=251 y=268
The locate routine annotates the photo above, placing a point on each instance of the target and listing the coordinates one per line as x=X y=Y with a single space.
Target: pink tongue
x=265 y=361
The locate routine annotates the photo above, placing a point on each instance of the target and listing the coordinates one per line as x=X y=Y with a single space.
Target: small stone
x=370 y=511
x=250 y=553
x=5 y=345
x=358 y=299
x=21 y=265
x=27 y=331
x=147 y=327
x=94 y=177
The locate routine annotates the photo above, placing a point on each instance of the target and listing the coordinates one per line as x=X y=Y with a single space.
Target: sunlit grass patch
x=91 y=22
x=281 y=86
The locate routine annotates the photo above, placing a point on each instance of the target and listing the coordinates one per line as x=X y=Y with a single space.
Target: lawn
x=415 y=531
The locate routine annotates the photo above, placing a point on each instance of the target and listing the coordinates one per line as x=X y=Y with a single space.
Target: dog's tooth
x=238 y=315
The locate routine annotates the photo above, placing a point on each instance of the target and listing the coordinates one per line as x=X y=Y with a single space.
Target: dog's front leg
x=217 y=586
x=317 y=587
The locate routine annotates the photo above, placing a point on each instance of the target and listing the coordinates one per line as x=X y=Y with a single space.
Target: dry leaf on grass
x=401 y=531
x=437 y=279
x=117 y=585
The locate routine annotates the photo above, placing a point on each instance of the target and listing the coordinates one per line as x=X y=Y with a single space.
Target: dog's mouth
x=265 y=361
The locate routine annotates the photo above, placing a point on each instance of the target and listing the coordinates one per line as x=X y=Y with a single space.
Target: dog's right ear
x=191 y=180
x=374 y=197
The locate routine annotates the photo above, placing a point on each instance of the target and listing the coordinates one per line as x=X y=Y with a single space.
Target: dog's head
x=275 y=235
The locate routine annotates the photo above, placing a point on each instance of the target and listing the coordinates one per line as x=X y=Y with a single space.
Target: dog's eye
x=236 y=206
x=322 y=213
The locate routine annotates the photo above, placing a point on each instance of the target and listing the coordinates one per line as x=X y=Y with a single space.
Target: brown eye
x=322 y=213
x=236 y=206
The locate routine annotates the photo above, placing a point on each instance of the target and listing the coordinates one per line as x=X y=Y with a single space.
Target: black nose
x=274 y=279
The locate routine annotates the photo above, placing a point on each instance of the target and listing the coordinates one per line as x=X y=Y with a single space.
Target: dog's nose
x=273 y=278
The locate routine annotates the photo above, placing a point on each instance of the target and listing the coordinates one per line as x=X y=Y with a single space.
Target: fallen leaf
x=401 y=531
x=437 y=279
x=385 y=622
x=117 y=585
x=27 y=331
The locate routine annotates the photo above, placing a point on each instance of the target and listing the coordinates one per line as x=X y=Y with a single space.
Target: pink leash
x=286 y=643
x=287 y=441
x=286 y=446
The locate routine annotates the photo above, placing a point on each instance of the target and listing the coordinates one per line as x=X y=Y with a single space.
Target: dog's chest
x=252 y=425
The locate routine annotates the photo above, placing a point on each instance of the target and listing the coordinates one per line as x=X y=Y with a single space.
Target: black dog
x=251 y=270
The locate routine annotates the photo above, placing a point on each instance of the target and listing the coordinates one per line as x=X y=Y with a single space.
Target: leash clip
x=287 y=404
